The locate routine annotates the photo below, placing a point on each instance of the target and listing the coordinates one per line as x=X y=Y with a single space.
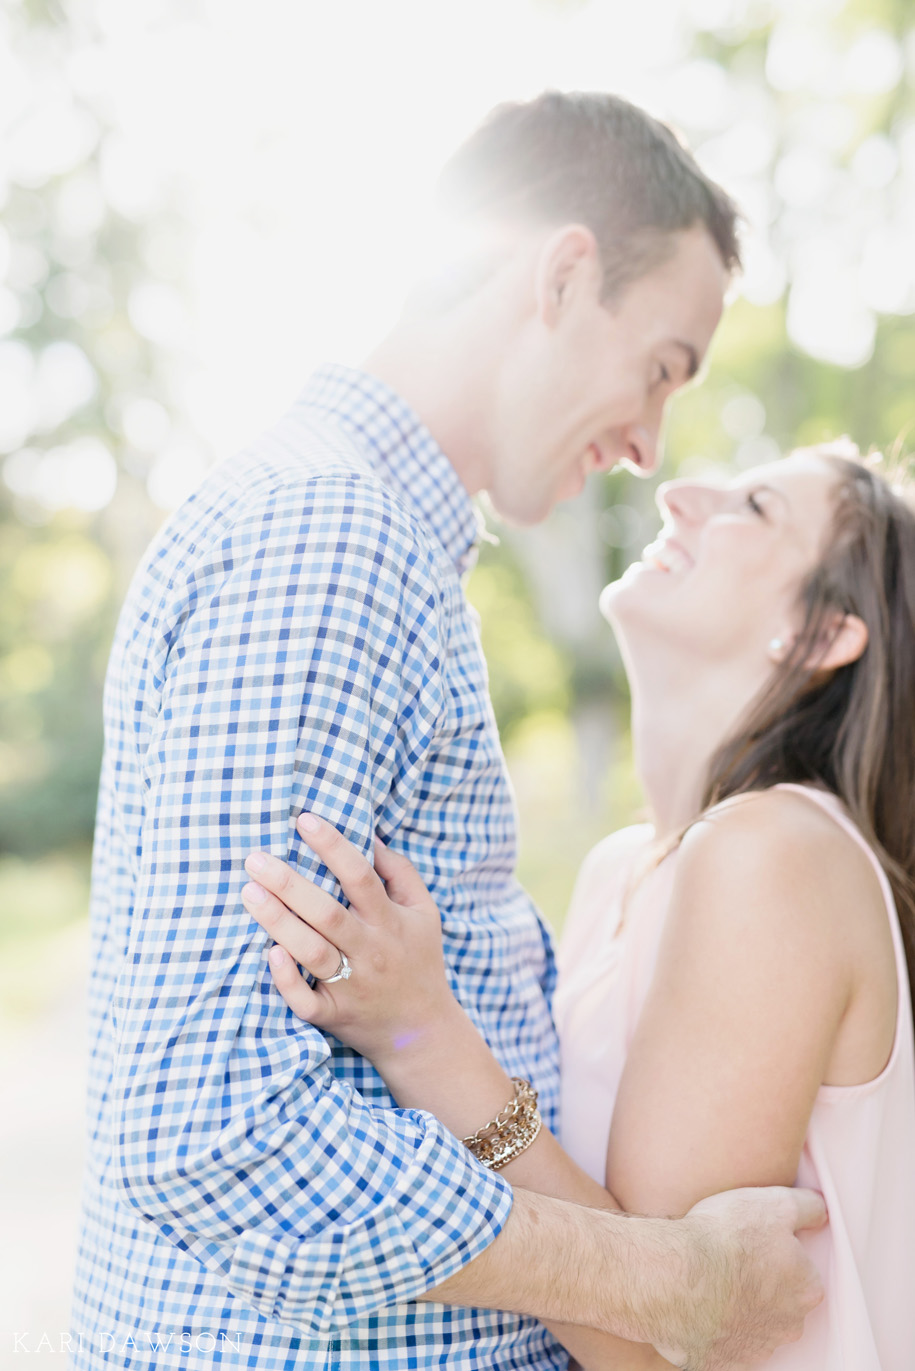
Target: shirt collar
x=408 y=459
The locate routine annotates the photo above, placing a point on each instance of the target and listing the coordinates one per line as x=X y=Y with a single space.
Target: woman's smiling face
x=724 y=576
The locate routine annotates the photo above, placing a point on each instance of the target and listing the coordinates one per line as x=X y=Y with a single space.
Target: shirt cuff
x=322 y=1282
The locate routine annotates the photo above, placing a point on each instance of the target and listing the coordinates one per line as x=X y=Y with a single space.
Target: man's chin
x=522 y=511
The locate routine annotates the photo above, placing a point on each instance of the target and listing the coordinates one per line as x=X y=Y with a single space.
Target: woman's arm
x=753 y=977
x=398 y=1010
x=395 y=1009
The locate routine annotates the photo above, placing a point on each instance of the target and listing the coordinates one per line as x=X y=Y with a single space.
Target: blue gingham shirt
x=296 y=638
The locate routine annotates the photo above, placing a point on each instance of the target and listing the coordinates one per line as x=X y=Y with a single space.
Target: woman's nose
x=689 y=501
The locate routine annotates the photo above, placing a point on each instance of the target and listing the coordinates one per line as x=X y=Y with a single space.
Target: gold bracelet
x=507 y=1135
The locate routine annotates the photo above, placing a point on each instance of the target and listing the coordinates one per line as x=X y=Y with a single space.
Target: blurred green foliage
x=75 y=264
x=806 y=401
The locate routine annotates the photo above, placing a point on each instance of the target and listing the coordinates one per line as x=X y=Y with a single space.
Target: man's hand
x=748 y=1284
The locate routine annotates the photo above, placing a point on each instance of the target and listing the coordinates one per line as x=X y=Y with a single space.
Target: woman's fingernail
x=256 y=862
x=276 y=956
x=308 y=823
x=254 y=893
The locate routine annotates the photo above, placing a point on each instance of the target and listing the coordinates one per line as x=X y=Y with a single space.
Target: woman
x=733 y=996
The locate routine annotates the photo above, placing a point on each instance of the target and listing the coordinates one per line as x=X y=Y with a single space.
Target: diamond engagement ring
x=342 y=973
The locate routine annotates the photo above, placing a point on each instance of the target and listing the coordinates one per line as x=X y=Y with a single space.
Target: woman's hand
x=397 y=992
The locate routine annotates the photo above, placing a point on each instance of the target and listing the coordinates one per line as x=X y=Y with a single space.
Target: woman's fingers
x=306 y=944
x=305 y=899
x=306 y=1002
x=356 y=875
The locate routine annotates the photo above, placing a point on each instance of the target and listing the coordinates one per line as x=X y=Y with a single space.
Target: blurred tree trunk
x=564 y=560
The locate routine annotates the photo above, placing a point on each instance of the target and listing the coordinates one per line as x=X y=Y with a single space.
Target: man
x=297 y=638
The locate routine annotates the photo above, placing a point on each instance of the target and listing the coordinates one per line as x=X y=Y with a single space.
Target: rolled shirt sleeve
x=298 y=665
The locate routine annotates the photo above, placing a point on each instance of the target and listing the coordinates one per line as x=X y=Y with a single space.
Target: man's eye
x=663 y=377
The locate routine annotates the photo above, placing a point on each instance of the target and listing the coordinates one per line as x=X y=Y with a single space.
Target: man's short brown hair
x=592 y=159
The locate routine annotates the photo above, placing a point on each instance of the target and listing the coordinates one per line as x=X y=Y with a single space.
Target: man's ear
x=843 y=641
x=568 y=262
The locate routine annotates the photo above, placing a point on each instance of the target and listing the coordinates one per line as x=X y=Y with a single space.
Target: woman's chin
x=618 y=594
x=608 y=597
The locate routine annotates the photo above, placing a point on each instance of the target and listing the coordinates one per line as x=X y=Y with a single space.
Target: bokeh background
x=199 y=200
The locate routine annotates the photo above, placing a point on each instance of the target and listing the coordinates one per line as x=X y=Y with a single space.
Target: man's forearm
x=565 y=1263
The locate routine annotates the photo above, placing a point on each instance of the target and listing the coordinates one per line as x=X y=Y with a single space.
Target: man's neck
x=445 y=364
x=446 y=395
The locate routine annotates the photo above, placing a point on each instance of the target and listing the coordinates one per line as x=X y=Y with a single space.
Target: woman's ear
x=842 y=641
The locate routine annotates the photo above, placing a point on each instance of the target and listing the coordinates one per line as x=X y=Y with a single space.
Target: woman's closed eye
x=754 y=504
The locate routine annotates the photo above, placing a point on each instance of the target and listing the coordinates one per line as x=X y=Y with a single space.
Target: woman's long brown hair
x=851 y=730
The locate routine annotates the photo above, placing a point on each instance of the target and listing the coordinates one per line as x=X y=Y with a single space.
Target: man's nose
x=644 y=449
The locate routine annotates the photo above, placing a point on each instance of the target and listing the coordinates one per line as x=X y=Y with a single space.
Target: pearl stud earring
x=776 y=645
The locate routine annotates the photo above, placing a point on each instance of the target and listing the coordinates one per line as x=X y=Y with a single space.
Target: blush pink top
x=860 y=1145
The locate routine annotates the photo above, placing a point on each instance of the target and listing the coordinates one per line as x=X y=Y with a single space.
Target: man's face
x=587 y=384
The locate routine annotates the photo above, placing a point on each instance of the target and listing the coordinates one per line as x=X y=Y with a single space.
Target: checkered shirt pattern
x=296 y=638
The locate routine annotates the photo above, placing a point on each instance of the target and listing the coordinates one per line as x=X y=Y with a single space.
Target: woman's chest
x=605 y=973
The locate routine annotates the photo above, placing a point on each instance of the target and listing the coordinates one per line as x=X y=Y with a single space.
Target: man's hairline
x=611 y=300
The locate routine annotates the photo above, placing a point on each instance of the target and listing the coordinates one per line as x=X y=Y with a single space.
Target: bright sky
x=301 y=138
x=311 y=139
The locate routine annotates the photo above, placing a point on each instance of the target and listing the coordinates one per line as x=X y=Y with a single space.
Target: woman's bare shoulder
x=770 y=812
x=787 y=845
